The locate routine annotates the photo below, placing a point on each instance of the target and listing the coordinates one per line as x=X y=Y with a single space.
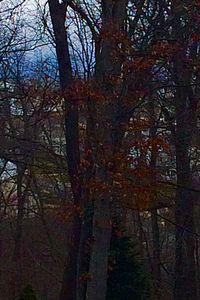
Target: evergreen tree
x=27 y=293
x=127 y=279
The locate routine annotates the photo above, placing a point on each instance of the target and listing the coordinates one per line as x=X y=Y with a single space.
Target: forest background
x=99 y=156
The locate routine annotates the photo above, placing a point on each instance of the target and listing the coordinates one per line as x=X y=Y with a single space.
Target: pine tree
x=27 y=293
x=127 y=278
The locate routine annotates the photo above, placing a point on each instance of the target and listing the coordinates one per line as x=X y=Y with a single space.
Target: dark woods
x=99 y=158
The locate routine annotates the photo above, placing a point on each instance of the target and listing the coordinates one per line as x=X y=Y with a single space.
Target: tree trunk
x=185 y=269
x=17 y=252
x=185 y=103
x=113 y=14
x=156 y=253
x=58 y=17
x=154 y=219
x=96 y=287
x=20 y=215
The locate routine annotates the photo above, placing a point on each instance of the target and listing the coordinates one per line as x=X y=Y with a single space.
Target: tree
x=185 y=107
x=109 y=68
x=127 y=111
x=126 y=276
x=58 y=16
x=27 y=293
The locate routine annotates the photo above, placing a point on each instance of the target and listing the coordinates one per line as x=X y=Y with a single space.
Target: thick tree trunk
x=113 y=14
x=97 y=286
x=185 y=106
x=185 y=269
x=58 y=17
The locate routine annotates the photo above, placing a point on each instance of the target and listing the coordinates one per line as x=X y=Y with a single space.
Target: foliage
x=27 y=293
x=127 y=277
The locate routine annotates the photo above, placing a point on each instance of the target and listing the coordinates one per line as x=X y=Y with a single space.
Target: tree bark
x=17 y=252
x=58 y=17
x=185 y=109
x=156 y=253
x=20 y=214
x=113 y=14
x=154 y=219
x=185 y=269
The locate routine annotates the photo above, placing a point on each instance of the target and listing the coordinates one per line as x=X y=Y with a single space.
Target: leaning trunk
x=58 y=17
